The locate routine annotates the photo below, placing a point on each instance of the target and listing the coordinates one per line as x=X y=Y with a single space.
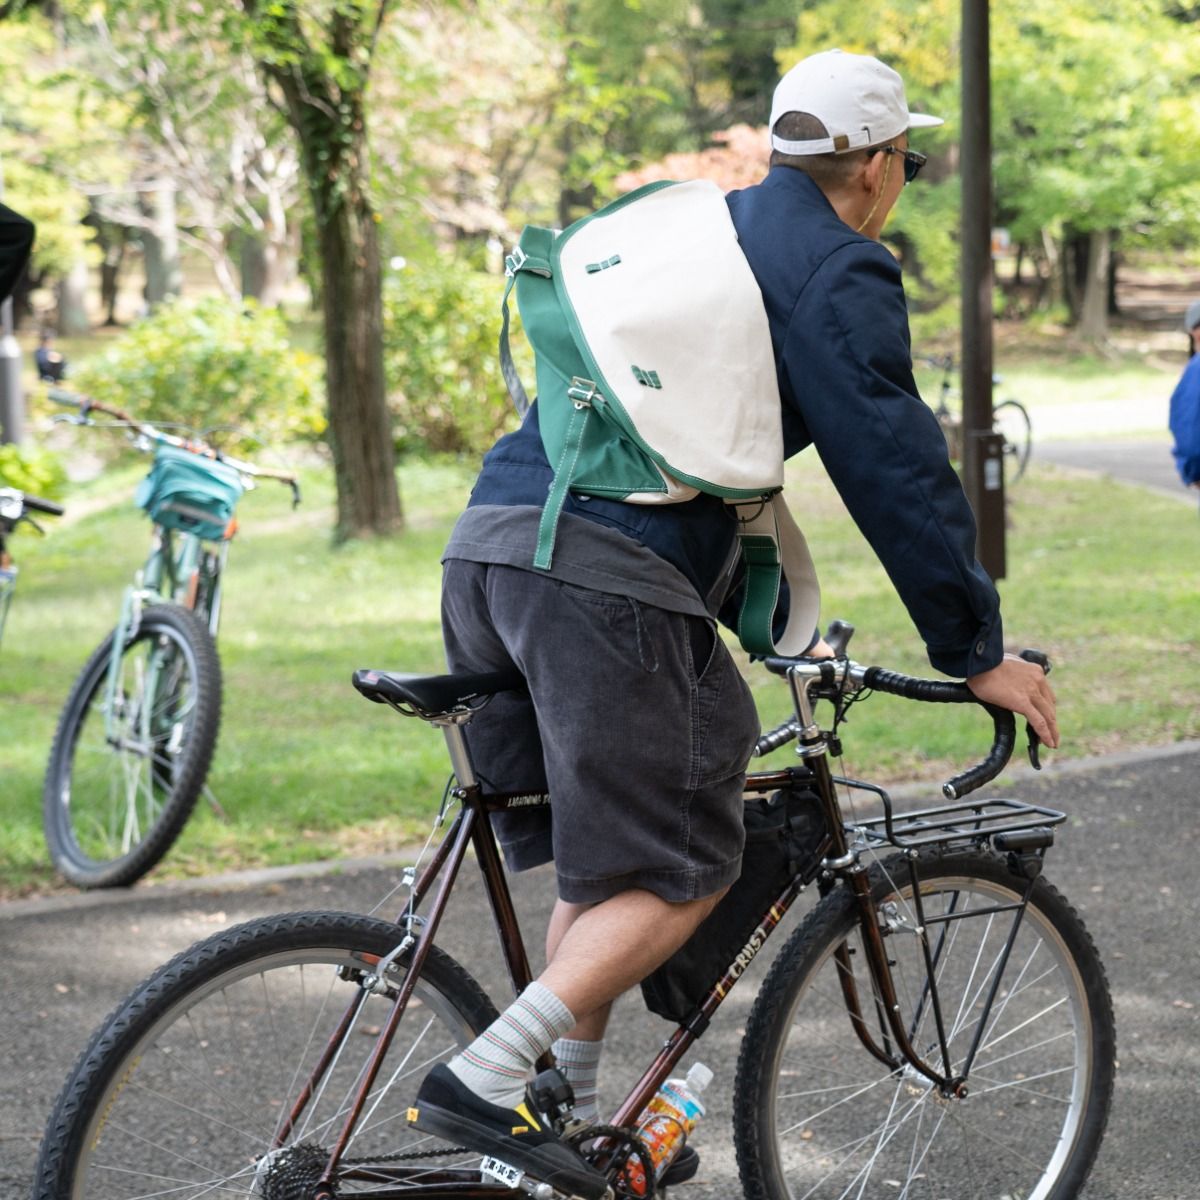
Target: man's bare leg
x=599 y=951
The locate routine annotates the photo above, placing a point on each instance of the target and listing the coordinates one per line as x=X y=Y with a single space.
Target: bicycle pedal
x=513 y=1177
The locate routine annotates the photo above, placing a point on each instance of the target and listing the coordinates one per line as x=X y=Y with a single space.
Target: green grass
x=1103 y=577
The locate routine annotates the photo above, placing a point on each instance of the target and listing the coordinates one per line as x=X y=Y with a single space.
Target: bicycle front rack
x=968 y=822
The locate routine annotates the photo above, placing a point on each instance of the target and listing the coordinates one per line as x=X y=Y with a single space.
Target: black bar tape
x=44 y=506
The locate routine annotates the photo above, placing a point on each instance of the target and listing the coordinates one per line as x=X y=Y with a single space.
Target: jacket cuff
x=985 y=652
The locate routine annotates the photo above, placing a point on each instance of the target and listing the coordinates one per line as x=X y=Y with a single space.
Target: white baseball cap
x=858 y=99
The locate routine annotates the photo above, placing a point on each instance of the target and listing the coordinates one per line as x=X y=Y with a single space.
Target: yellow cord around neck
x=887 y=166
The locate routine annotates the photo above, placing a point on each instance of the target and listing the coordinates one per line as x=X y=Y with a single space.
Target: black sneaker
x=683 y=1168
x=448 y=1109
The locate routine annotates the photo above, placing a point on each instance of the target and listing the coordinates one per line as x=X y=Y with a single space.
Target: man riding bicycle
x=630 y=689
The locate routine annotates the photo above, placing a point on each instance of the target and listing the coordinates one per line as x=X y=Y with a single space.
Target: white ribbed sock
x=580 y=1063
x=496 y=1064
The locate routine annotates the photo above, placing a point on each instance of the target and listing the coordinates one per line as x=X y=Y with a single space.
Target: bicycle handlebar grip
x=937 y=691
x=1038 y=657
x=932 y=691
x=44 y=506
x=61 y=396
x=1005 y=738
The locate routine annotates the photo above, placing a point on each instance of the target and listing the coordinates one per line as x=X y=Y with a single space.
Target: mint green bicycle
x=136 y=736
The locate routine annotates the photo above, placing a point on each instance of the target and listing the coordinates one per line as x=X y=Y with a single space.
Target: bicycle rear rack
x=968 y=822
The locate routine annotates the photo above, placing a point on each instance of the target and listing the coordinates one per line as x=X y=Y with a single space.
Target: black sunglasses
x=913 y=161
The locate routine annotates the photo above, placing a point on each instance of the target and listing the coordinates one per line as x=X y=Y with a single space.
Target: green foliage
x=441 y=323
x=1096 y=121
x=209 y=364
x=32 y=469
x=54 y=131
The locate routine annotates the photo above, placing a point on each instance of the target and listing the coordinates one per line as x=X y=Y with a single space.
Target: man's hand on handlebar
x=1022 y=688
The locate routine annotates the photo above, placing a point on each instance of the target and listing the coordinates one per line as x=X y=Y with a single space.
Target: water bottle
x=664 y=1124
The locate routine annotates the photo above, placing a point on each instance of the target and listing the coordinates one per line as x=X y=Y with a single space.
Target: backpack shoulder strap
x=773 y=547
x=532 y=253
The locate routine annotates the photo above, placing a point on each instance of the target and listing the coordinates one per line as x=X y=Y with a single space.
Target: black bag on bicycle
x=785 y=833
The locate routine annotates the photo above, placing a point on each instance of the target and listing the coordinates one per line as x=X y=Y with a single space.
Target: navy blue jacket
x=839 y=326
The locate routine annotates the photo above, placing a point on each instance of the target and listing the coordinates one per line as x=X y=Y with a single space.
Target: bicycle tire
x=184 y=1086
x=817 y=1116
x=109 y=812
x=1011 y=419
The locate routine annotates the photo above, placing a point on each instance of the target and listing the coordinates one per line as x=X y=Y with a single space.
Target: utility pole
x=983 y=450
x=12 y=398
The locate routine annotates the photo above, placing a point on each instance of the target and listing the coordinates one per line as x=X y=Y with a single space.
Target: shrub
x=31 y=469
x=441 y=325
x=211 y=365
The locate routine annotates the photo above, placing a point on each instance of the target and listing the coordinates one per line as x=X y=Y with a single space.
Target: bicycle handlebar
x=87 y=405
x=937 y=691
x=44 y=506
x=833 y=677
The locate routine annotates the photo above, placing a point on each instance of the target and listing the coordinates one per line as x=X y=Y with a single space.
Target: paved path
x=1127 y=860
x=1146 y=462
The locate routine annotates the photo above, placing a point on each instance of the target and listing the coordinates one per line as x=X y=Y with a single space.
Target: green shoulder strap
x=557 y=358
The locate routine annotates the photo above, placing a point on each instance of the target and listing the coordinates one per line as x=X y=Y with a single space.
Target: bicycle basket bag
x=189 y=492
x=785 y=837
x=656 y=380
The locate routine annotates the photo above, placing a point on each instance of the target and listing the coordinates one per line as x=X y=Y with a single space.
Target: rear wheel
x=186 y=1090
x=124 y=776
x=819 y=1117
x=1011 y=421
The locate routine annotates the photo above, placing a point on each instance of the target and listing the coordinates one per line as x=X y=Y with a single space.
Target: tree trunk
x=1074 y=263
x=72 y=302
x=1114 y=261
x=266 y=267
x=110 y=279
x=163 y=278
x=360 y=433
x=1093 y=310
x=327 y=111
x=252 y=265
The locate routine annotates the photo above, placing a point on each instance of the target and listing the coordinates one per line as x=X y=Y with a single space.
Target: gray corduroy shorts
x=636 y=721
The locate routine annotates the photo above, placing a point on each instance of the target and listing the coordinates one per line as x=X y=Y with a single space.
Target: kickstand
x=215 y=805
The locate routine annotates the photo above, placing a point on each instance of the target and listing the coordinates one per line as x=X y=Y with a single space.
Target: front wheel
x=129 y=761
x=232 y=1070
x=820 y=1117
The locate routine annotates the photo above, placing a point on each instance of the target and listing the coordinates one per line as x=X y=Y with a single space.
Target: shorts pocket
x=620 y=622
x=726 y=719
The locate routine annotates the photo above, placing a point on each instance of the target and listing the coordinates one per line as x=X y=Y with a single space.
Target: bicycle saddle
x=433 y=695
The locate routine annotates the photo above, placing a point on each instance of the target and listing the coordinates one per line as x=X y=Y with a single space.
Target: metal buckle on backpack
x=582 y=392
x=515 y=261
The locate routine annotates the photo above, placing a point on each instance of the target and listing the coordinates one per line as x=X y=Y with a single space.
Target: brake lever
x=1035 y=742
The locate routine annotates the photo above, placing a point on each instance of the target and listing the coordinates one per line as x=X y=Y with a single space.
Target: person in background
x=51 y=365
x=16 y=242
x=1185 y=405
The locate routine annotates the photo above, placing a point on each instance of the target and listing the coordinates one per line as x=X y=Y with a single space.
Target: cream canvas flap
x=674 y=320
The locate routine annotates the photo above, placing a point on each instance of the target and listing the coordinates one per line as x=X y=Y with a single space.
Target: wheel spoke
x=836 y=1137
x=194 y=1102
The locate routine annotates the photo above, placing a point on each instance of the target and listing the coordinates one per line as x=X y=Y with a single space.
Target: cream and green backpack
x=656 y=380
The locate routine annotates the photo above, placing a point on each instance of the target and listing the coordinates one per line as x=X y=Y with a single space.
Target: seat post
x=456 y=744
